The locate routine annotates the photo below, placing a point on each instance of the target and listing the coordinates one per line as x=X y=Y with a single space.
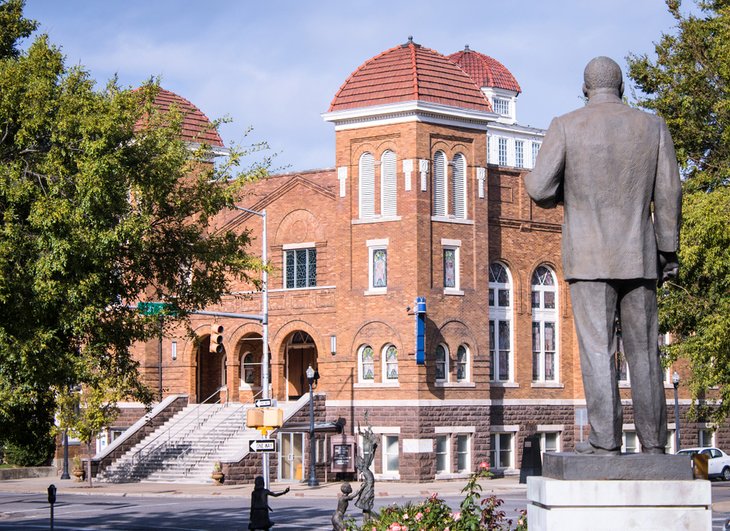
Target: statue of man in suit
x=615 y=171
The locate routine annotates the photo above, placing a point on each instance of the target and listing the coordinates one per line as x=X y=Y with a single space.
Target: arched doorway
x=211 y=370
x=300 y=353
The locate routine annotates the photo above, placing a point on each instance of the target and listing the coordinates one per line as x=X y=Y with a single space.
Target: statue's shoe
x=586 y=448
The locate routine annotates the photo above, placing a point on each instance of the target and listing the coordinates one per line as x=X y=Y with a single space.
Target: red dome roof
x=484 y=70
x=195 y=126
x=406 y=73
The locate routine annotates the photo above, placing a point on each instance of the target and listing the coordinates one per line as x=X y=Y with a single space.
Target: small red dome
x=196 y=127
x=484 y=70
x=409 y=72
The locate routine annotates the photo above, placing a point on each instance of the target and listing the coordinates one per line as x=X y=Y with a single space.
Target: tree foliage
x=688 y=83
x=101 y=203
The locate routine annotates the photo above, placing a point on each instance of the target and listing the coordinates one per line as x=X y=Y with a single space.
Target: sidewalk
x=383 y=489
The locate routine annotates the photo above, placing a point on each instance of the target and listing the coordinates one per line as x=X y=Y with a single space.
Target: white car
x=718 y=461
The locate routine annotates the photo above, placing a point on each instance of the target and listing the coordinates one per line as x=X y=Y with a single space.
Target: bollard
x=52 y=500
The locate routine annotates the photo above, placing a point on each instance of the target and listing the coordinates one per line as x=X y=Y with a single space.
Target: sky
x=275 y=65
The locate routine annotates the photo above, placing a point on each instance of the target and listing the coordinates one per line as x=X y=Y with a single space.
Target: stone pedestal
x=609 y=505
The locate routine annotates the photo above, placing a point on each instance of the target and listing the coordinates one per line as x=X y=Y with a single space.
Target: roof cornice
x=409 y=111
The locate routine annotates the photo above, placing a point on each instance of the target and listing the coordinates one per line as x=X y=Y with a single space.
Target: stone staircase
x=185 y=448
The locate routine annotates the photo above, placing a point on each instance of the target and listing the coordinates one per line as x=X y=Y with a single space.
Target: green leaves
x=101 y=202
x=688 y=83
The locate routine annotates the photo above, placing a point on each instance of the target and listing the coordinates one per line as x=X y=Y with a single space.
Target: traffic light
x=216 y=338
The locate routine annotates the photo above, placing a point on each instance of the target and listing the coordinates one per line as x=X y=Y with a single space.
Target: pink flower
x=484 y=465
x=418 y=517
x=456 y=516
x=405 y=516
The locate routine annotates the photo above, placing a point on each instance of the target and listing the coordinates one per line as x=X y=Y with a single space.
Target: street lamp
x=675 y=381
x=312 y=377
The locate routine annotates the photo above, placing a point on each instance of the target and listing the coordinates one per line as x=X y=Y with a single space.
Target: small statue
x=259 y=518
x=366 y=497
x=343 y=500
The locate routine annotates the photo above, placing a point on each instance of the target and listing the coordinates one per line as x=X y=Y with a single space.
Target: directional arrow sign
x=262 y=445
x=264 y=402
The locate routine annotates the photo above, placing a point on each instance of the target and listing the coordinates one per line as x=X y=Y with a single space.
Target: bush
x=37 y=453
x=474 y=513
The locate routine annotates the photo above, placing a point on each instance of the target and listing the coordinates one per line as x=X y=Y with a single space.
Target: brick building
x=426 y=200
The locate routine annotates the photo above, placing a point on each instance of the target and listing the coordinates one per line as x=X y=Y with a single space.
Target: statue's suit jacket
x=607 y=163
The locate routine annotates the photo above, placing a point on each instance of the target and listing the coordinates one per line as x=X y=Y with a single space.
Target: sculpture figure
x=259 y=517
x=615 y=171
x=366 y=497
x=343 y=500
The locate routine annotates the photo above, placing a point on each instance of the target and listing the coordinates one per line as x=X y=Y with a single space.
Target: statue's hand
x=668 y=266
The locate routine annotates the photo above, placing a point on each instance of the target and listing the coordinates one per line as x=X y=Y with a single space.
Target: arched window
x=462 y=364
x=390 y=363
x=366 y=364
x=544 y=325
x=367 y=185
x=442 y=363
x=388 y=182
x=500 y=324
x=458 y=187
x=439 y=184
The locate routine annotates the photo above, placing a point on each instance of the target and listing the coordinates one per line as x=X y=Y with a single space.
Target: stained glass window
x=367 y=363
x=500 y=323
x=380 y=268
x=441 y=362
x=462 y=364
x=301 y=268
x=449 y=268
x=391 y=363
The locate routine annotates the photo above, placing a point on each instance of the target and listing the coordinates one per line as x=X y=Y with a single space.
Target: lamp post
x=675 y=381
x=312 y=377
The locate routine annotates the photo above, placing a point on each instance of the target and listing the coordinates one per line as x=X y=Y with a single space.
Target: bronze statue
x=366 y=497
x=615 y=171
x=259 y=518
x=343 y=500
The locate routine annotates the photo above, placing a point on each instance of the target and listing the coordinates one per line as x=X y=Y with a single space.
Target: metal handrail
x=138 y=455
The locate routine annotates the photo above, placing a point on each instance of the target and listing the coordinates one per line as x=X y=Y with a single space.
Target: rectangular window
x=390 y=454
x=377 y=266
x=550 y=442
x=463 y=453
x=535 y=151
x=501 y=106
x=450 y=268
x=499 y=341
x=442 y=454
x=502 y=151
x=706 y=437
x=500 y=450
x=519 y=153
x=301 y=268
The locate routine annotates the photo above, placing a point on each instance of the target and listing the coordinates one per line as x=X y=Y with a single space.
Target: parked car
x=718 y=461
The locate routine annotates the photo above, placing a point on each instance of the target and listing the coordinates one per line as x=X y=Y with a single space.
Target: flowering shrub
x=474 y=512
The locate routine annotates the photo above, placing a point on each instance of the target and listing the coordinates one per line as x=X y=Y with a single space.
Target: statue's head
x=346 y=488
x=258 y=483
x=602 y=74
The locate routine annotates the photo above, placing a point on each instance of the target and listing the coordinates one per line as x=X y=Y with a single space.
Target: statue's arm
x=667 y=194
x=544 y=184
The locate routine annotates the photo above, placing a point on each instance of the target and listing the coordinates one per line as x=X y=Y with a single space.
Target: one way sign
x=262 y=445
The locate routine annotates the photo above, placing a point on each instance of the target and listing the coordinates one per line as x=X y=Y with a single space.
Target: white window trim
x=512 y=430
x=384 y=368
x=361 y=381
x=360 y=192
x=469 y=452
x=375 y=245
x=462 y=201
x=243 y=385
x=384 y=204
x=468 y=365
x=384 y=456
x=447 y=472
x=558 y=430
x=304 y=245
x=295 y=247
x=447 y=354
x=454 y=245
x=550 y=315
x=503 y=313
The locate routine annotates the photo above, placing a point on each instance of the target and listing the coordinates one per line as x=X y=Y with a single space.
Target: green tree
x=688 y=83
x=101 y=203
